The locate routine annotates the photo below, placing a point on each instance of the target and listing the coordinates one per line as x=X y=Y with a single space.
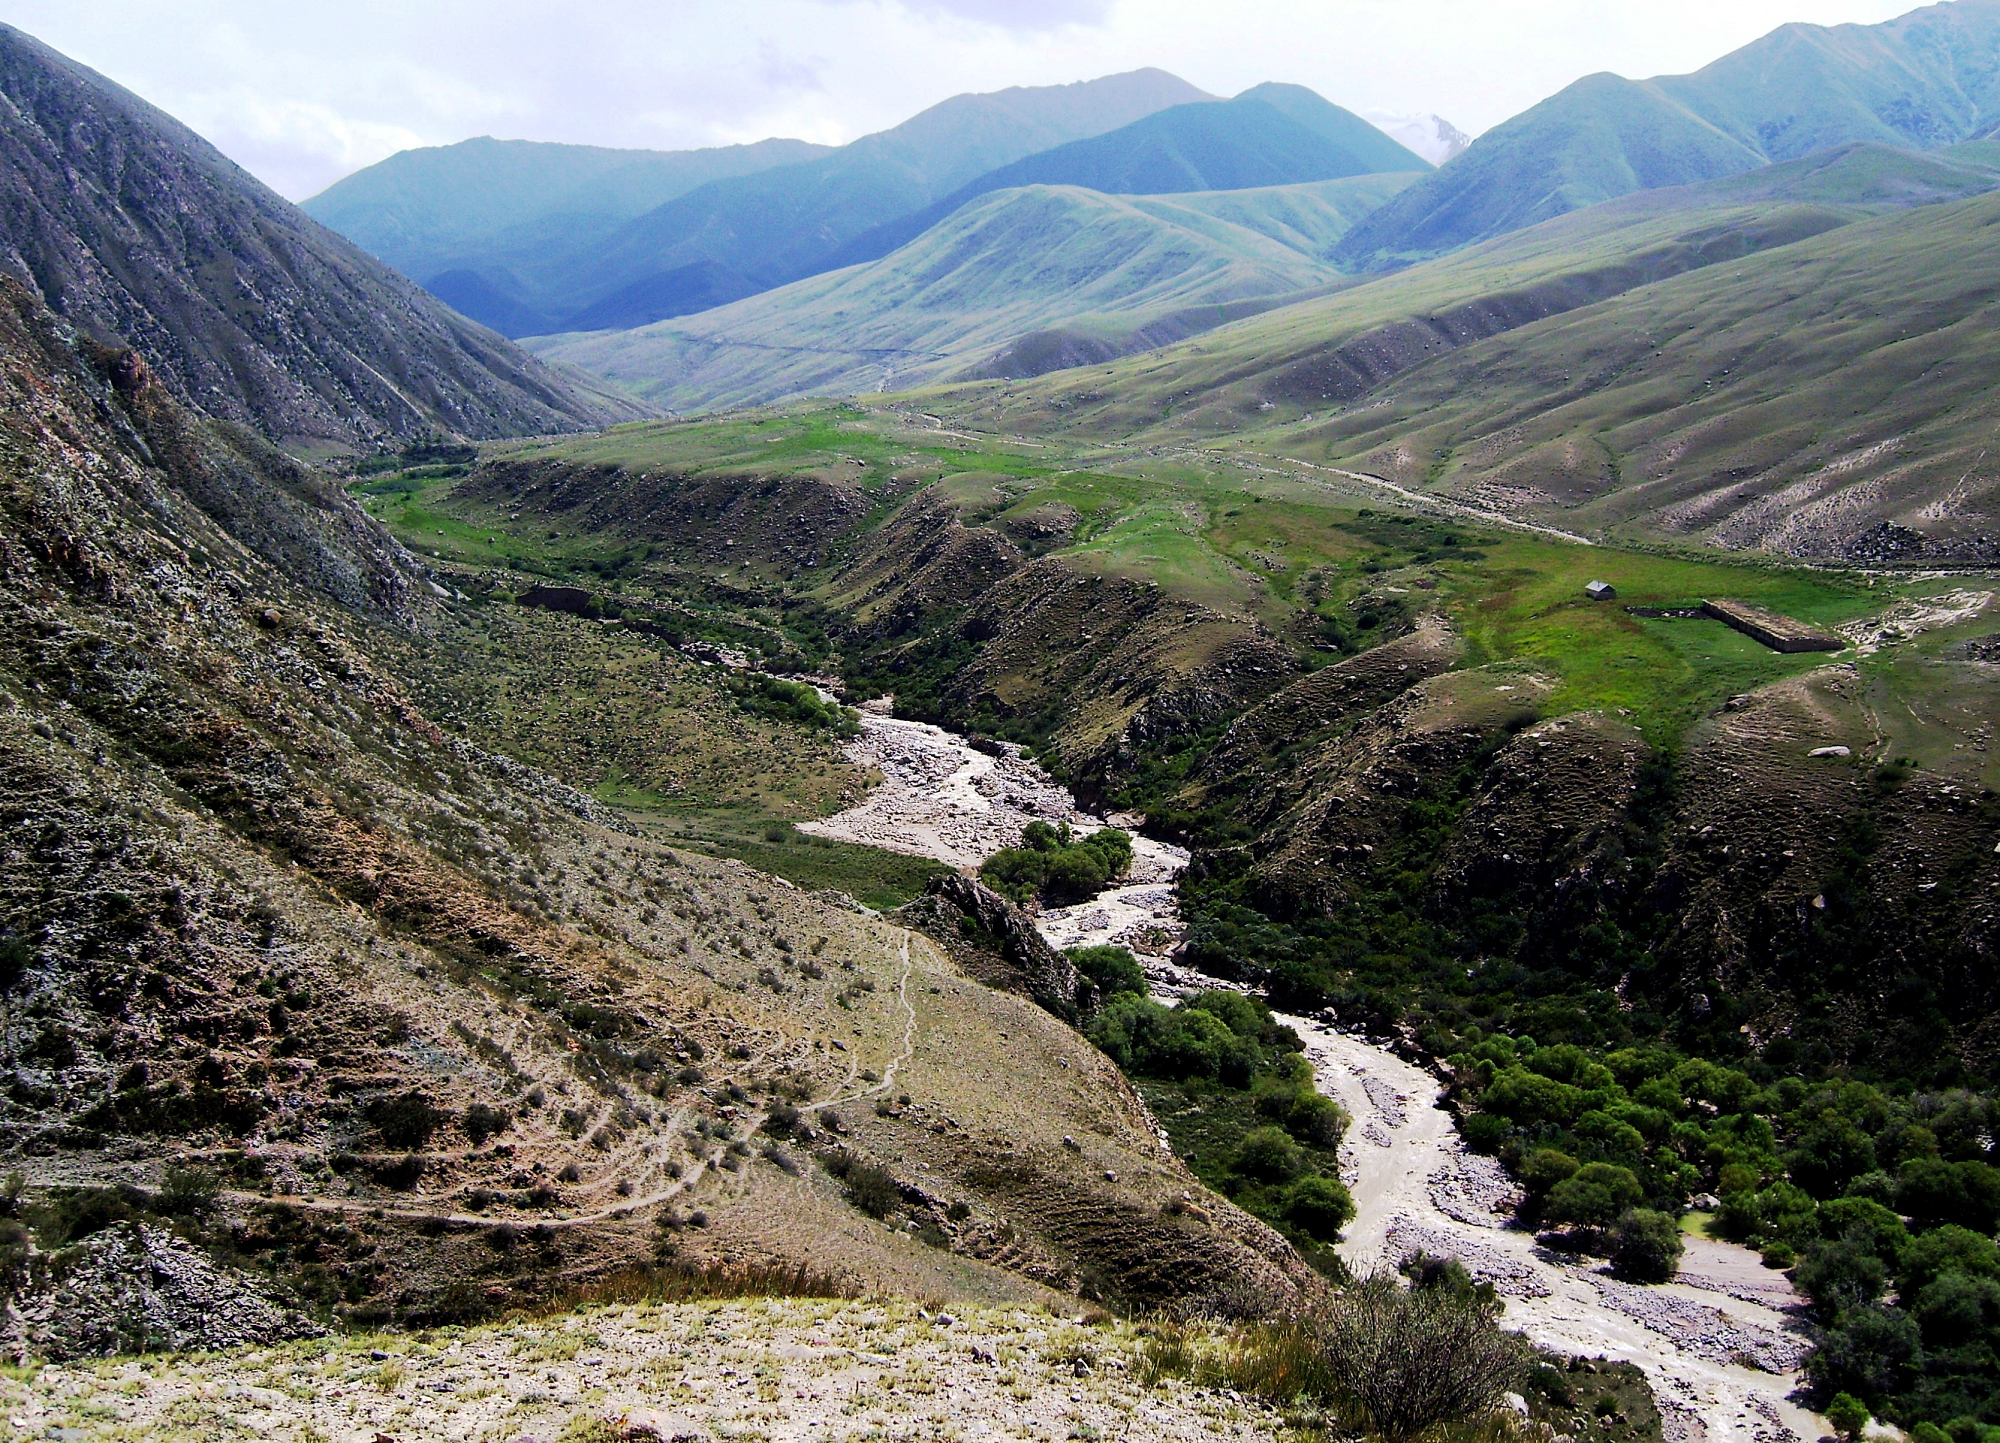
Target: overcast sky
x=304 y=91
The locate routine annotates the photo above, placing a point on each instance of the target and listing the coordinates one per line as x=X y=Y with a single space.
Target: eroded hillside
x=452 y=1032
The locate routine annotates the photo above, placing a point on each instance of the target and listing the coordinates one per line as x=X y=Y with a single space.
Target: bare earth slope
x=136 y=229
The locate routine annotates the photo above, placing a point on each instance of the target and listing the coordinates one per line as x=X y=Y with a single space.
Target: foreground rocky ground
x=768 y=1369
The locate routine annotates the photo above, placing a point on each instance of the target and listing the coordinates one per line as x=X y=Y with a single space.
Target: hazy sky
x=303 y=91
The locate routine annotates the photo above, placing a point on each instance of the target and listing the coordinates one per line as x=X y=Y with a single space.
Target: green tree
x=1948 y=1249
x=1829 y=1154
x=1113 y=969
x=1319 y=1206
x=1597 y=1196
x=1848 y=1415
x=1646 y=1245
x=1957 y=1310
x=1268 y=1154
x=1869 y=1353
x=1839 y=1274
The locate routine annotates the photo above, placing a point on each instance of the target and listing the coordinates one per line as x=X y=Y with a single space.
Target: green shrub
x=189 y=1192
x=407 y=1120
x=1848 y=1415
x=1948 y=1249
x=1268 y=1154
x=1319 y=1206
x=1596 y=1196
x=1646 y=1246
x=1057 y=866
x=1113 y=969
x=1412 y=1361
x=792 y=701
x=872 y=1189
x=482 y=1120
x=1177 y=1043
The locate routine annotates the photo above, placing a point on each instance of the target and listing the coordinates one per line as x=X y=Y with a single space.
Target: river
x=1721 y=1344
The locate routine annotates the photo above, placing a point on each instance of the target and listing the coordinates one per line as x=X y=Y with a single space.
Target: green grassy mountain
x=1020 y=279
x=136 y=229
x=455 y=216
x=733 y=237
x=1923 y=81
x=1272 y=135
x=1785 y=360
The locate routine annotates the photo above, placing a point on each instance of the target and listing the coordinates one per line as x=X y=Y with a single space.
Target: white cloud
x=303 y=92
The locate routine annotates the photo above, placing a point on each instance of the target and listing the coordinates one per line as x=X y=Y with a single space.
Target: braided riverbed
x=1721 y=1344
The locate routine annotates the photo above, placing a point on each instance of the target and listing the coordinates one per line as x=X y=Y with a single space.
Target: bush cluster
x=1887 y=1204
x=792 y=701
x=1056 y=866
x=1281 y=1167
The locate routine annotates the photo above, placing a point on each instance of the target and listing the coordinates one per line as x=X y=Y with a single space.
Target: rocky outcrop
x=974 y=920
x=137 y=1288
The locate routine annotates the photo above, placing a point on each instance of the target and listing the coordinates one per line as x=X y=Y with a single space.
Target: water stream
x=1721 y=1344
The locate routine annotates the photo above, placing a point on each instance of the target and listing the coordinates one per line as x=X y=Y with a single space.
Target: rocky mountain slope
x=1924 y=81
x=137 y=230
x=447 y=1032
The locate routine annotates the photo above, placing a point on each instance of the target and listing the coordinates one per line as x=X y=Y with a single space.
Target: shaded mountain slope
x=1078 y=272
x=1273 y=135
x=1924 y=81
x=133 y=227
x=451 y=1034
x=735 y=237
x=487 y=201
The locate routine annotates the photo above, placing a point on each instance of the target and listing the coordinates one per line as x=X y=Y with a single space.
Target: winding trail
x=1721 y=1344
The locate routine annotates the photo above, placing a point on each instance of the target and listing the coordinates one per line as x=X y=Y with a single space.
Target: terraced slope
x=1018 y=282
x=138 y=231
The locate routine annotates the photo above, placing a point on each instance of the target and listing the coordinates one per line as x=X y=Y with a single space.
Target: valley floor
x=772 y=1369
x=1721 y=1345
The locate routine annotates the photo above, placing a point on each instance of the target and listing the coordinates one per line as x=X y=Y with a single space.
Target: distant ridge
x=1924 y=81
x=569 y=268
x=442 y=208
x=135 y=229
x=1270 y=135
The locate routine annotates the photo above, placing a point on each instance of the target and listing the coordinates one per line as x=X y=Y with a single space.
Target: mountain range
x=733 y=236
x=1017 y=282
x=1926 y=80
